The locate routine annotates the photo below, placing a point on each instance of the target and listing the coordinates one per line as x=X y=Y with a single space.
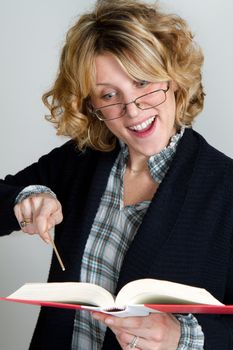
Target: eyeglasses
x=117 y=110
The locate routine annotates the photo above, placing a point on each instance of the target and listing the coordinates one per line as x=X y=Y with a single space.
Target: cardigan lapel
x=162 y=214
x=95 y=191
x=98 y=186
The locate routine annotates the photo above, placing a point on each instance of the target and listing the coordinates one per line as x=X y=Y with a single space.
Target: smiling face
x=146 y=132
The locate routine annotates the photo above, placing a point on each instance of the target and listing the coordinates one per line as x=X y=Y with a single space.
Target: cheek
x=171 y=110
x=115 y=127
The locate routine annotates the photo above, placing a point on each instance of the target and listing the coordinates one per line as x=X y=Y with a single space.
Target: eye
x=142 y=83
x=108 y=96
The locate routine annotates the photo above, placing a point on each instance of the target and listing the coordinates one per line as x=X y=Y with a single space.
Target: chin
x=151 y=151
x=150 y=148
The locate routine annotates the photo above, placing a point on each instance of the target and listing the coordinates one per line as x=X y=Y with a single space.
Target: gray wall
x=31 y=36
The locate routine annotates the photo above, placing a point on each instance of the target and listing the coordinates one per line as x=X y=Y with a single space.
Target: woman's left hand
x=152 y=332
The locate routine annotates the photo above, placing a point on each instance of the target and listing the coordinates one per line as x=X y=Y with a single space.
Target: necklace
x=134 y=171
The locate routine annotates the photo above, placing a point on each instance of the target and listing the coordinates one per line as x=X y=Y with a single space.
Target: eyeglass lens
x=144 y=102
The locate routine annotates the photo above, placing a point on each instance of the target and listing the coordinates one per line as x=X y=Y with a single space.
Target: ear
x=174 y=86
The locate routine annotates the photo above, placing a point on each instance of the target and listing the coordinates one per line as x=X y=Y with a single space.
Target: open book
x=139 y=297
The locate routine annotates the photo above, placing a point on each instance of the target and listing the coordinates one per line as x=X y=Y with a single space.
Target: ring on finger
x=25 y=222
x=133 y=342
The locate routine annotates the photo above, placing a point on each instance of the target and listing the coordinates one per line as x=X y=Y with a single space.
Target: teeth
x=143 y=125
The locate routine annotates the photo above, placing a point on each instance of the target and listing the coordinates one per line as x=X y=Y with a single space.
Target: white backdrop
x=31 y=36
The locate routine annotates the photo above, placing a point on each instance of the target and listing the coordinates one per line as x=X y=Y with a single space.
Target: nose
x=131 y=109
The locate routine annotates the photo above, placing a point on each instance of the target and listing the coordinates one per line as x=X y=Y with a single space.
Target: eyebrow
x=101 y=84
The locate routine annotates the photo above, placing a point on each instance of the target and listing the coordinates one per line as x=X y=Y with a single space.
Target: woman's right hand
x=38 y=214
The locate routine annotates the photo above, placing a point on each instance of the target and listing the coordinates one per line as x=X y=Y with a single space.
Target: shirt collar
x=158 y=163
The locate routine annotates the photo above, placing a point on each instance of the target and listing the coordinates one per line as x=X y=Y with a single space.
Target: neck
x=137 y=165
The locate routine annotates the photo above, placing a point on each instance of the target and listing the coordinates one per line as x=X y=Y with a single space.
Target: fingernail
x=47 y=240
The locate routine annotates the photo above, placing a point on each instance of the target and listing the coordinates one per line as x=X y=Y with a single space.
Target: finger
x=125 y=322
x=26 y=209
x=55 y=219
x=125 y=337
x=99 y=316
x=131 y=341
x=44 y=209
x=142 y=327
x=118 y=322
x=134 y=323
x=48 y=202
x=42 y=227
x=23 y=214
x=18 y=213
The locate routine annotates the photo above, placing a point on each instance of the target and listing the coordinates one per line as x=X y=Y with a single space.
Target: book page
x=150 y=291
x=65 y=292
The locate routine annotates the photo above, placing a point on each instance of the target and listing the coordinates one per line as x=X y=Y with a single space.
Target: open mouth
x=143 y=127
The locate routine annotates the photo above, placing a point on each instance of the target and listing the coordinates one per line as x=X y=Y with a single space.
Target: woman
x=136 y=192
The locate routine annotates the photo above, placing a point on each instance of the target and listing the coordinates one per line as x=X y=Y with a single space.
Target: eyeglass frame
x=95 y=110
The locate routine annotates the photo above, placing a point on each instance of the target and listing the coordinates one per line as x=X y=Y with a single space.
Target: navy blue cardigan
x=185 y=236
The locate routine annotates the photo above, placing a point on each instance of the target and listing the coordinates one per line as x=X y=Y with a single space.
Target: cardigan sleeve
x=218 y=329
x=44 y=172
x=32 y=190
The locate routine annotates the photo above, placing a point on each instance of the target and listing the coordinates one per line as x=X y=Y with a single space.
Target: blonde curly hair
x=150 y=44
